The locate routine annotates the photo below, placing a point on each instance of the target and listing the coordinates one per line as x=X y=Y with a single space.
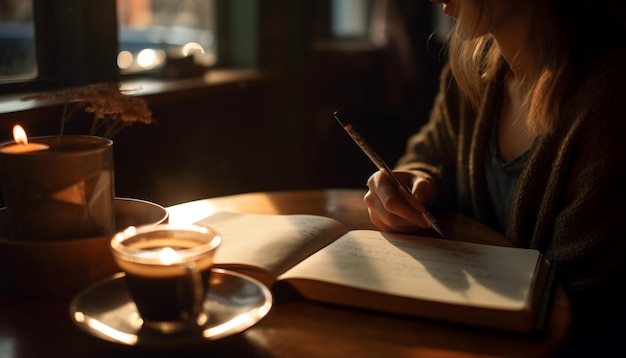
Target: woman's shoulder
x=612 y=62
x=604 y=71
x=596 y=108
x=600 y=84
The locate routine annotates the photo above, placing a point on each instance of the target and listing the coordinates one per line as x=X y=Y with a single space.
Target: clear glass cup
x=168 y=272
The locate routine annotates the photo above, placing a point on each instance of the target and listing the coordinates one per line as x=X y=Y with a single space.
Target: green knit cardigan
x=570 y=202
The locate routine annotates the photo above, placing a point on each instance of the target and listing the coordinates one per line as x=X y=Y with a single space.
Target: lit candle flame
x=168 y=256
x=21 y=144
x=19 y=134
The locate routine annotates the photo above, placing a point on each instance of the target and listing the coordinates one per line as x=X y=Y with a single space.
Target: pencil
x=384 y=168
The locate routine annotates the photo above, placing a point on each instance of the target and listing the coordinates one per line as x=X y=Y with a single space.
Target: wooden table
x=296 y=328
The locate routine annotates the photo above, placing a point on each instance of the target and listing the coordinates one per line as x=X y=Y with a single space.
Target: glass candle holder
x=58 y=188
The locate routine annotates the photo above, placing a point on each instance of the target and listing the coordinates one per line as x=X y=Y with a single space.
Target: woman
x=526 y=136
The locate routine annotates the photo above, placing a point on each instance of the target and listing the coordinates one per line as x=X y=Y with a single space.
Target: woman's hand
x=390 y=209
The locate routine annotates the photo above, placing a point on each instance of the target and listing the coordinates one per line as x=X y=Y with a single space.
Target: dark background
x=274 y=129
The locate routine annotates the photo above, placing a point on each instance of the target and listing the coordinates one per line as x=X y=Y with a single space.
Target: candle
x=59 y=187
x=21 y=144
x=23 y=148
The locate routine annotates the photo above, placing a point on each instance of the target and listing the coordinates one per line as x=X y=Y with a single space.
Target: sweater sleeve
x=433 y=148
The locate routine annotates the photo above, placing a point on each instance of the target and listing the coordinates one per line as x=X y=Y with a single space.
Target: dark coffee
x=167 y=277
x=167 y=299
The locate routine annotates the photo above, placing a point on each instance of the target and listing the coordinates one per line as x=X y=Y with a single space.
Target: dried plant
x=113 y=109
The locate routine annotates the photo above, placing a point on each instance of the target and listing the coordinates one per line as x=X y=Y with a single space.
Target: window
x=350 y=18
x=17 y=41
x=47 y=44
x=359 y=19
x=51 y=44
x=177 y=34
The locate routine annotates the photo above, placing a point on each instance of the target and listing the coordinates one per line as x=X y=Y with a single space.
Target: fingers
x=382 y=212
x=423 y=188
x=383 y=226
x=392 y=211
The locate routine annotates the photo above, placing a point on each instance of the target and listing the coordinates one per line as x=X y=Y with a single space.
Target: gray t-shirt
x=502 y=180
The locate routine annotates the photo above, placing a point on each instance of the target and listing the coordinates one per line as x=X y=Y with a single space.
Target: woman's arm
x=428 y=167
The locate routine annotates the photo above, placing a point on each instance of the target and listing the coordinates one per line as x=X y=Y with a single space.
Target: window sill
x=214 y=81
x=155 y=90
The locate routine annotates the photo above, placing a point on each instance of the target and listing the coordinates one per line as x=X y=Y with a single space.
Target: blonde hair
x=475 y=61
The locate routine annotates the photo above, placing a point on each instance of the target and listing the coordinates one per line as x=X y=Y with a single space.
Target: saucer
x=235 y=302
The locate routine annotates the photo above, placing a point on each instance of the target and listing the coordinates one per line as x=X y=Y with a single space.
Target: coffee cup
x=168 y=272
